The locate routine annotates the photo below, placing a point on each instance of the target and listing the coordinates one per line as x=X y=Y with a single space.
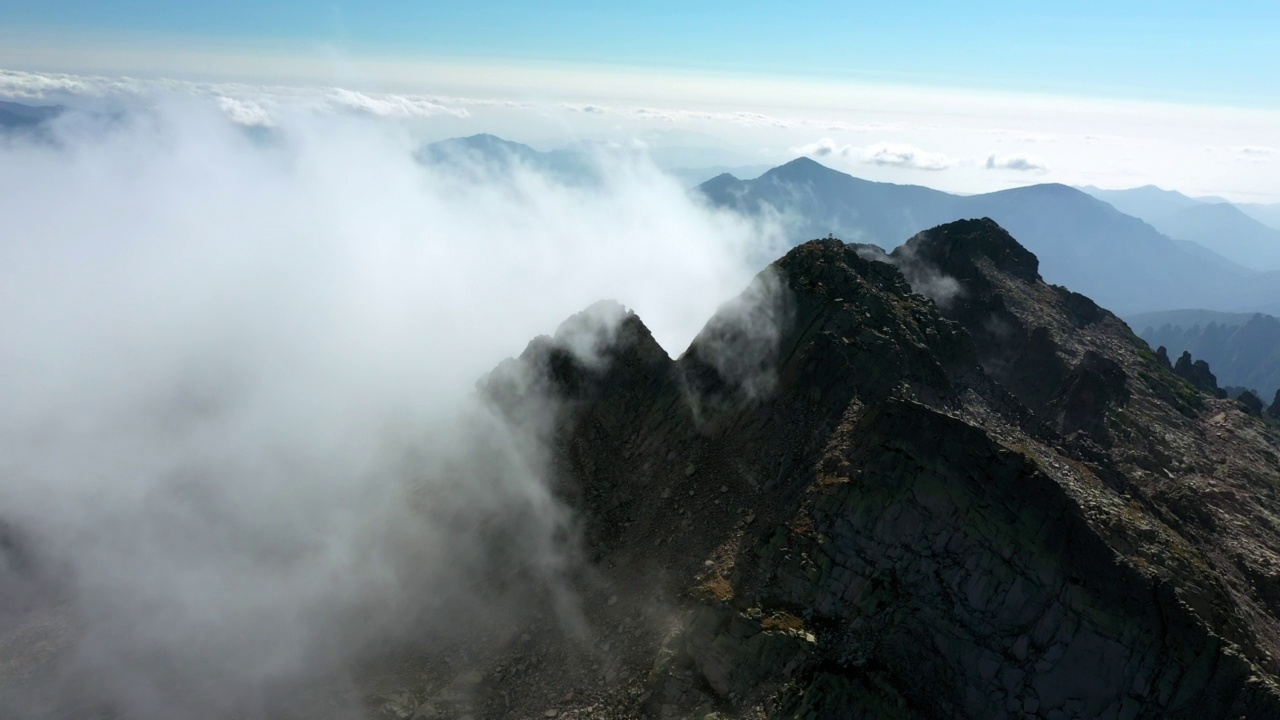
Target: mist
x=240 y=446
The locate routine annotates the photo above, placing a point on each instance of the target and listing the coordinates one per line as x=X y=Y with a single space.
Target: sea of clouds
x=239 y=444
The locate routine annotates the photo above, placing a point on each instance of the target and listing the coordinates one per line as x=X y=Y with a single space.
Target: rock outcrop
x=995 y=503
x=1198 y=374
x=1250 y=402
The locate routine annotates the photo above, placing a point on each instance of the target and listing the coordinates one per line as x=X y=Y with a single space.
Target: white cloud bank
x=237 y=372
x=243 y=104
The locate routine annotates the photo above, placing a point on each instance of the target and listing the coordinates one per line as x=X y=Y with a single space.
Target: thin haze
x=238 y=434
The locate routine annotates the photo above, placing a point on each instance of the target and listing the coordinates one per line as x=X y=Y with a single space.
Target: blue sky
x=964 y=96
x=1192 y=52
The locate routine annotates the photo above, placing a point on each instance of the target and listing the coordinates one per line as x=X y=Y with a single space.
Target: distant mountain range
x=572 y=164
x=695 y=176
x=489 y=152
x=18 y=116
x=1239 y=233
x=1268 y=215
x=1242 y=349
x=1083 y=242
x=1147 y=202
x=1228 y=231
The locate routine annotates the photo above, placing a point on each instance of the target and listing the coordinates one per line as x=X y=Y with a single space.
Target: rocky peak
x=1273 y=410
x=851 y=499
x=955 y=248
x=1198 y=374
x=595 y=354
x=1251 y=403
x=841 y=313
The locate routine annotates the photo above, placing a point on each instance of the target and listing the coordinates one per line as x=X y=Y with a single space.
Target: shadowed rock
x=993 y=502
x=1198 y=374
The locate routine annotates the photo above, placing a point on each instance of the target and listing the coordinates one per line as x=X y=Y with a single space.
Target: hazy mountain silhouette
x=1226 y=230
x=1243 y=349
x=1187 y=318
x=494 y=153
x=1082 y=242
x=1268 y=215
x=1147 y=202
x=694 y=176
x=18 y=116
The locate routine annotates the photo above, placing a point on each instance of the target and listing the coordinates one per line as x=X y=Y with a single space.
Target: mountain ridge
x=1227 y=230
x=998 y=504
x=1243 y=349
x=1082 y=241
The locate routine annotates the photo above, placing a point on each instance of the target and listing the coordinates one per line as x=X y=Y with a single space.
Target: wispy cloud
x=244 y=112
x=393 y=106
x=1243 y=150
x=244 y=104
x=881 y=153
x=907 y=156
x=1252 y=154
x=826 y=147
x=1020 y=163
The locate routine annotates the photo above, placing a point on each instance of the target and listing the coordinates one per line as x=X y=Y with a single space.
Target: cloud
x=250 y=105
x=899 y=155
x=1021 y=163
x=245 y=113
x=749 y=119
x=741 y=341
x=239 y=424
x=882 y=153
x=389 y=106
x=654 y=114
x=923 y=277
x=826 y=147
x=1245 y=153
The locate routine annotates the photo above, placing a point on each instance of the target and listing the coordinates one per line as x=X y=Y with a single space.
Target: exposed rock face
x=1273 y=410
x=1250 y=402
x=1243 y=349
x=1198 y=374
x=1000 y=505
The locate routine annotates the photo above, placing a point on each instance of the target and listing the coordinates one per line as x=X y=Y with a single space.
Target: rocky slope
x=997 y=504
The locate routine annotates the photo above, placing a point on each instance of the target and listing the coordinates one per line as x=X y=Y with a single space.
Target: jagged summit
x=855 y=500
x=956 y=247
